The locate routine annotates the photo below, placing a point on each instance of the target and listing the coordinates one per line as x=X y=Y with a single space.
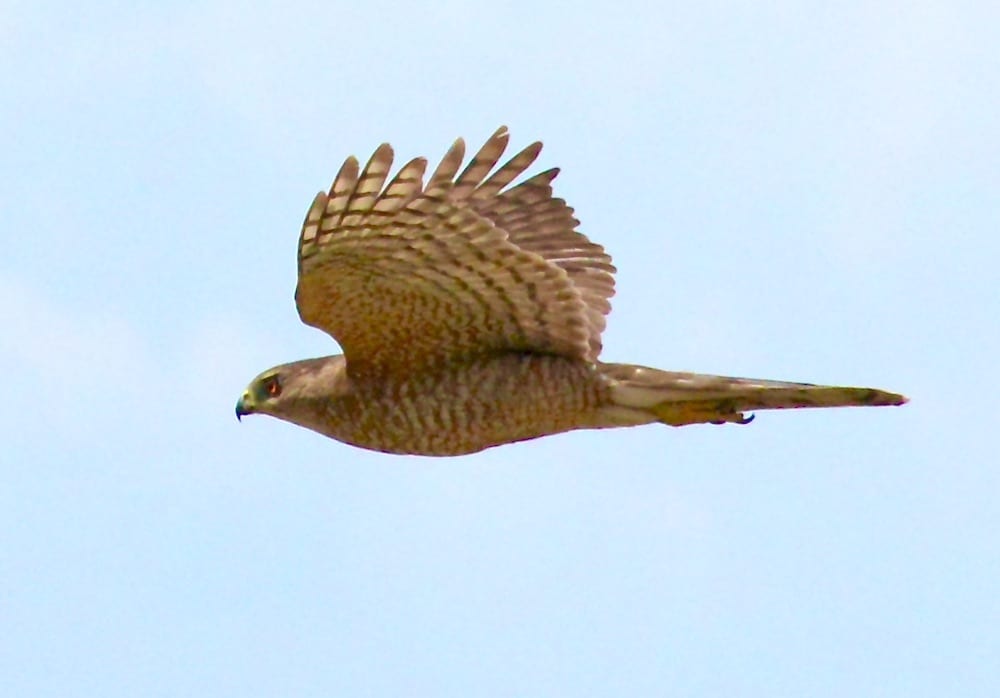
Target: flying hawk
x=470 y=313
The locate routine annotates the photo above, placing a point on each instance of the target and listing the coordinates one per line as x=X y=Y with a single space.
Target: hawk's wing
x=405 y=276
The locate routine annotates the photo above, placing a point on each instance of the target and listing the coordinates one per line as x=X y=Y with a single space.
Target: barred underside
x=470 y=406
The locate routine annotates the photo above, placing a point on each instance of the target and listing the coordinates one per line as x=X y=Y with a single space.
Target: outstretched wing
x=404 y=275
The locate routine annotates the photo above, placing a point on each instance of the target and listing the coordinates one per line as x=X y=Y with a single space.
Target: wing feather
x=481 y=164
x=444 y=174
x=367 y=188
x=402 y=189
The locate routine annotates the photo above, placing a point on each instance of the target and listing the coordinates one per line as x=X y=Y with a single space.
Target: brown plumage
x=470 y=314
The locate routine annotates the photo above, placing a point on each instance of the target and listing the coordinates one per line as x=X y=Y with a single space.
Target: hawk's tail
x=691 y=398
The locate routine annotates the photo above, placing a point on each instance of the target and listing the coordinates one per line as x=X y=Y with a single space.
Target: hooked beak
x=244 y=406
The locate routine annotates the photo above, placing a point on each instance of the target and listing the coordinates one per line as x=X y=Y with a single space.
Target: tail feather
x=688 y=398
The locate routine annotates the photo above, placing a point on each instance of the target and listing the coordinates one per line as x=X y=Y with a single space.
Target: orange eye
x=273 y=388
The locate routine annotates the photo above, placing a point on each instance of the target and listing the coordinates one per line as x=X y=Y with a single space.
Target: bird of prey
x=470 y=314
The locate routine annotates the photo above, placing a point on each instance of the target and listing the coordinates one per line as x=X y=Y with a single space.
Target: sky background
x=797 y=191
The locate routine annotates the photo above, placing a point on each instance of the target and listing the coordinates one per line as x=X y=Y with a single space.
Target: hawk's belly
x=463 y=408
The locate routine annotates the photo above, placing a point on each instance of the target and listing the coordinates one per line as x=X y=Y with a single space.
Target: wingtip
x=501 y=136
x=382 y=153
x=316 y=209
x=347 y=175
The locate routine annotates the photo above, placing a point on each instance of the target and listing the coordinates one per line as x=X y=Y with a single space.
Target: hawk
x=470 y=314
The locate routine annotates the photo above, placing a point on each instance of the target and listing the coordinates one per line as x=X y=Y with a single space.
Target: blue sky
x=793 y=191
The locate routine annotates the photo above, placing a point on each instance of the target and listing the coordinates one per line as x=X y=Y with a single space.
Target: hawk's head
x=298 y=392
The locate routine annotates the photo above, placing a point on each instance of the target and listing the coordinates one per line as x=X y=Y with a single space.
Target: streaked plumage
x=470 y=313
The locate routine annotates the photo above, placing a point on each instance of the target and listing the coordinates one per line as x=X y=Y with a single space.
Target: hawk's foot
x=679 y=414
